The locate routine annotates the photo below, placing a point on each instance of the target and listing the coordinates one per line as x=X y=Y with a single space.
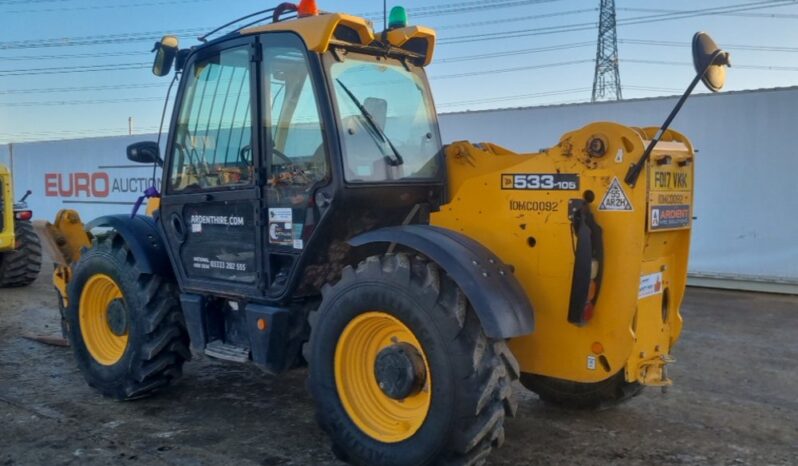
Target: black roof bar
x=204 y=38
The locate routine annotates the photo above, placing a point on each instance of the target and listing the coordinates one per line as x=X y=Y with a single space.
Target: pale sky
x=80 y=68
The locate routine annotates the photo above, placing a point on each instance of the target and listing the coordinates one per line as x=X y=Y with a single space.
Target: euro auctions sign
x=94 y=186
x=92 y=176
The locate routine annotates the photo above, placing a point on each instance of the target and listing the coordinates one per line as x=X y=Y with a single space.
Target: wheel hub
x=103 y=320
x=117 y=317
x=397 y=411
x=400 y=371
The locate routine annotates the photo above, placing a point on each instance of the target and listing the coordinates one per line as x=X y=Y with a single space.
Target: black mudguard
x=503 y=307
x=142 y=237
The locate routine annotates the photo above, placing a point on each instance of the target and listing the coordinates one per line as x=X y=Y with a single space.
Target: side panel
x=498 y=299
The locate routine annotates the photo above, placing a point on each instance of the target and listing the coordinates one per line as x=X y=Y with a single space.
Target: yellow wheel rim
x=375 y=413
x=105 y=346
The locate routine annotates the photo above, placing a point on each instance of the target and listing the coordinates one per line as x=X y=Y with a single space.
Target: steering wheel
x=245 y=155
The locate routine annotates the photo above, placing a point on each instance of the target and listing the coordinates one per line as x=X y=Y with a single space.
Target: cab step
x=221 y=350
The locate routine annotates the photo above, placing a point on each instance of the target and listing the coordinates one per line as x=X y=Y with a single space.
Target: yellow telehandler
x=310 y=214
x=20 y=250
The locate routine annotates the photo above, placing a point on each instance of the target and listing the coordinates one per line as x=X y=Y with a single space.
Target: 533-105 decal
x=541 y=181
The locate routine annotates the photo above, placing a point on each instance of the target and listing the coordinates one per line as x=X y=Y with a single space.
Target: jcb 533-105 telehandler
x=20 y=250
x=309 y=214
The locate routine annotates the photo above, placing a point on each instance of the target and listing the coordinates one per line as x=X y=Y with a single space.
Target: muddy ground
x=735 y=402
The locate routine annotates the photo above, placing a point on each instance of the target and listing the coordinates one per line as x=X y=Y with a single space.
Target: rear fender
x=504 y=310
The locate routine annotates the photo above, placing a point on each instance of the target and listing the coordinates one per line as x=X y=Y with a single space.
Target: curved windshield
x=388 y=126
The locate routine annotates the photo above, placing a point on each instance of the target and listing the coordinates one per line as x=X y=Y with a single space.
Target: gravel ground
x=735 y=401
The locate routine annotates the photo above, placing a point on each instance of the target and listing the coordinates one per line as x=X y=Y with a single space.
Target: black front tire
x=21 y=266
x=471 y=374
x=157 y=338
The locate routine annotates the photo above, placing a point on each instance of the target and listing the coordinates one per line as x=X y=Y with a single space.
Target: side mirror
x=144 y=152
x=710 y=61
x=710 y=67
x=165 y=53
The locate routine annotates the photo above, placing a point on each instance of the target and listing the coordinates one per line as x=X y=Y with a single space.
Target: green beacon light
x=397 y=18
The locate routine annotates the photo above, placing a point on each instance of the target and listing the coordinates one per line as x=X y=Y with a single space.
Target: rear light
x=23 y=215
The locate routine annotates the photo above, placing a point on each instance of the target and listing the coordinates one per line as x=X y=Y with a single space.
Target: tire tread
x=21 y=266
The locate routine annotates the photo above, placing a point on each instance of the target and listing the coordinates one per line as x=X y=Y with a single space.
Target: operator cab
x=288 y=139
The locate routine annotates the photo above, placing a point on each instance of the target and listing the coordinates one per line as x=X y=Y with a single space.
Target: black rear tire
x=583 y=396
x=21 y=266
x=158 y=341
x=471 y=374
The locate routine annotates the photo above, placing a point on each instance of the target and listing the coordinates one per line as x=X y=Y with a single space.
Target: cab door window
x=296 y=152
x=213 y=141
x=298 y=156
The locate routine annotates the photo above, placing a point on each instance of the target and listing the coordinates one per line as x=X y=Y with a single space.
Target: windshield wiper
x=394 y=162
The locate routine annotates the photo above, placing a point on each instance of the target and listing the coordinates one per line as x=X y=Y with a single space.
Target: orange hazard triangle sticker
x=615 y=199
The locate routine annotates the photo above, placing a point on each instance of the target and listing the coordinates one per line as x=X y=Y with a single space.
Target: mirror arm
x=634 y=171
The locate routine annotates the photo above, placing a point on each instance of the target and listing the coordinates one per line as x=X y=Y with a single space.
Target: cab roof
x=323 y=30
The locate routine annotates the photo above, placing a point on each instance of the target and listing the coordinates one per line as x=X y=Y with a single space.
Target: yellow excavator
x=310 y=214
x=20 y=250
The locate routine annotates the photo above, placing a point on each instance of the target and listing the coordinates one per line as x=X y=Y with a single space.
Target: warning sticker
x=615 y=199
x=650 y=285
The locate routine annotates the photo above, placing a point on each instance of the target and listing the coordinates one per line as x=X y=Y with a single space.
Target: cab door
x=211 y=201
x=296 y=149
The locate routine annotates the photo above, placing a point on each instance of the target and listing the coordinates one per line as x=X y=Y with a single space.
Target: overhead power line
x=509 y=70
x=112 y=87
x=619 y=22
x=81 y=102
x=513 y=97
x=516 y=19
x=102 y=7
x=653 y=89
x=71 y=131
x=736 y=66
x=102 y=39
x=26 y=2
x=757 y=48
x=436 y=10
x=743 y=15
x=72 y=56
x=74 y=69
x=507 y=53
x=95 y=39
x=443 y=9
